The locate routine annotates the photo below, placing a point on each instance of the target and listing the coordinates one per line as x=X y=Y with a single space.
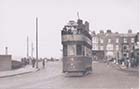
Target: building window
x=101 y=41
x=132 y=40
x=64 y=50
x=109 y=47
x=127 y=55
x=101 y=47
x=124 y=55
x=125 y=47
x=95 y=47
x=95 y=40
x=117 y=47
x=117 y=40
x=79 y=49
x=125 y=40
x=109 y=40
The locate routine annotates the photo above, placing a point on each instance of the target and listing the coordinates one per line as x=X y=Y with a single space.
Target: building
x=127 y=46
x=98 y=45
x=113 y=46
x=135 y=62
x=106 y=44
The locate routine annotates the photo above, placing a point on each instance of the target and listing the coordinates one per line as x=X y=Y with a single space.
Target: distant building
x=113 y=45
x=127 y=45
x=136 y=50
x=5 y=62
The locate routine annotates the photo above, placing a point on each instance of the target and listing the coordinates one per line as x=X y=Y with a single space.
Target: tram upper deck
x=76 y=32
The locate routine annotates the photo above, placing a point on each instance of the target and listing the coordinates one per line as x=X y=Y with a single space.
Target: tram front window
x=71 y=50
x=65 y=50
x=79 y=49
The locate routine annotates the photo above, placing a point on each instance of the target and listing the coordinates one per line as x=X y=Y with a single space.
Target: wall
x=5 y=62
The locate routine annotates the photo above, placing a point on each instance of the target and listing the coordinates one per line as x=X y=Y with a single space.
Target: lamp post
x=36 y=42
x=27 y=47
x=32 y=50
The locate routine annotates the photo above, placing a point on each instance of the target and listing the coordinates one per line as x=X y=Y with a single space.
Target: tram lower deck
x=77 y=64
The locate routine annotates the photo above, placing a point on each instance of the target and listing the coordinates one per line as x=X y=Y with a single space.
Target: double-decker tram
x=77 y=47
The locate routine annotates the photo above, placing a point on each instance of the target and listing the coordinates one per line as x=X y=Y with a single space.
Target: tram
x=77 y=47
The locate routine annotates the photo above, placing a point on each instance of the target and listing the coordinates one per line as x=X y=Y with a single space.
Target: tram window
x=71 y=50
x=79 y=49
x=64 y=50
x=83 y=51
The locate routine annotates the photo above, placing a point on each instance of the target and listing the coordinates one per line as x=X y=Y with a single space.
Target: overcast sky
x=17 y=21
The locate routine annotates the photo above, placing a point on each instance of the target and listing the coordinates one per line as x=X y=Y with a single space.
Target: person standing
x=43 y=63
x=33 y=62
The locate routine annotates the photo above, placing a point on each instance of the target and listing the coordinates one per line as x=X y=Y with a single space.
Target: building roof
x=128 y=35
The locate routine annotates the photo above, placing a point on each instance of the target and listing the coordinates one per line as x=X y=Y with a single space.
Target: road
x=103 y=76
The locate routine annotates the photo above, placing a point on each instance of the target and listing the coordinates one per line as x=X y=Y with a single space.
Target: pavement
x=124 y=68
x=130 y=69
x=23 y=70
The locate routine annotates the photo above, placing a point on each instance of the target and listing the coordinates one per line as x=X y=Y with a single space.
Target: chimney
x=108 y=31
x=101 y=31
x=93 y=32
x=129 y=31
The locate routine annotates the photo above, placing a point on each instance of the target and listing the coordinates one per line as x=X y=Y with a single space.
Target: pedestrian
x=33 y=62
x=43 y=63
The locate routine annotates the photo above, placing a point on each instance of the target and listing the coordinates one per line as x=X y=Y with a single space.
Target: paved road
x=103 y=76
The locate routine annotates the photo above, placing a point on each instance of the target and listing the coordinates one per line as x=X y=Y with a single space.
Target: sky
x=17 y=21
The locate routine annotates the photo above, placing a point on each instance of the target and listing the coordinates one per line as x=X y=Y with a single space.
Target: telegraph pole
x=36 y=42
x=27 y=46
x=78 y=15
x=6 y=50
x=32 y=50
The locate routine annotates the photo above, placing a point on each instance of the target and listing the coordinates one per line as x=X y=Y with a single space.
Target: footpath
x=124 y=68
x=23 y=70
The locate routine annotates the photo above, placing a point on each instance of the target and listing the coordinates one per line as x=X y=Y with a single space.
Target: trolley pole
x=36 y=42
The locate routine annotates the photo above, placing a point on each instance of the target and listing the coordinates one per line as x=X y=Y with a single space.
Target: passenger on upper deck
x=77 y=28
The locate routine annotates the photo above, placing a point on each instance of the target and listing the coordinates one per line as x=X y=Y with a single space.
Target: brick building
x=127 y=45
x=111 y=45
